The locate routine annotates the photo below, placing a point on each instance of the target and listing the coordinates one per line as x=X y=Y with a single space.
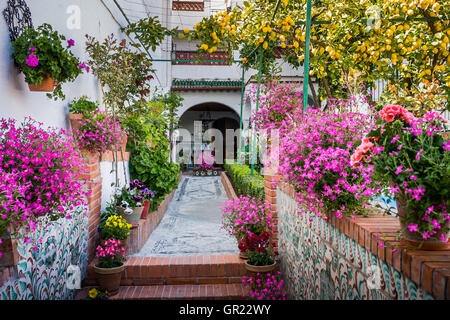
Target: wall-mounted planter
x=47 y=85
x=199 y=172
x=8 y=248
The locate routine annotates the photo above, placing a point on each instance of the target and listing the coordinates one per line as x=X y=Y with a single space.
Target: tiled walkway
x=192 y=223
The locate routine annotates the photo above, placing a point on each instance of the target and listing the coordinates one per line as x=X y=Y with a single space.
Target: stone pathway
x=192 y=223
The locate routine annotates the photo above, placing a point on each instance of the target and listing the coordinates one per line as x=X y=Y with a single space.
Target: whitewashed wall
x=18 y=102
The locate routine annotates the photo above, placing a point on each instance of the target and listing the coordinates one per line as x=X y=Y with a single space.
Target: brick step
x=232 y=291
x=194 y=270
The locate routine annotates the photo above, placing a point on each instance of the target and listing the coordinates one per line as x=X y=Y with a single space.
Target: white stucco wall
x=18 y=102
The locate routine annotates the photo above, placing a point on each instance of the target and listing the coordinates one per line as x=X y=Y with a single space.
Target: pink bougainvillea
x=206 y=160
x=39 y=174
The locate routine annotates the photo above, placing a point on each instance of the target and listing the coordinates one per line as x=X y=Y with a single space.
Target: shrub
x=243 y=182
x=151 y=166
x=115 y=227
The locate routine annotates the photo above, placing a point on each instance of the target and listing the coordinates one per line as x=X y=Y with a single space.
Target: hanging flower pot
x=8 y=248
x=46 y=60
x=414 y=239
x=47 y=85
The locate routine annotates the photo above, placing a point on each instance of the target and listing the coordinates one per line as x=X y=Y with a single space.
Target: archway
x=211 y=115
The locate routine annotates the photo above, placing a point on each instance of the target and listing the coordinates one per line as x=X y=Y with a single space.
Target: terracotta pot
x=8 y=248
x=260 y=269
x=74 y=119
x=109 y=278
x=413 y=239
x=243 y=255
x=47 y=85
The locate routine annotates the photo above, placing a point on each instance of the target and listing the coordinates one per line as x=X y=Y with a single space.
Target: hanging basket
x=47 y=85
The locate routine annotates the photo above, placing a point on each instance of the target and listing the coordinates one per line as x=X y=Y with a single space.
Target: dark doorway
x=223 y=125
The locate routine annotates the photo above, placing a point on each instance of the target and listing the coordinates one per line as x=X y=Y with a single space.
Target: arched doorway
x=211 y=115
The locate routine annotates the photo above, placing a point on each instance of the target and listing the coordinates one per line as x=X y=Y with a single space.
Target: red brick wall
x=93 y=183
x=270 y=189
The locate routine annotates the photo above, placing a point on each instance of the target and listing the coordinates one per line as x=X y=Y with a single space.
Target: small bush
x=243 y=182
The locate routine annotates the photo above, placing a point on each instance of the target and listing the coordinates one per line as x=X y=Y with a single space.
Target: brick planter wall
x=140 y=234
x=341 y=258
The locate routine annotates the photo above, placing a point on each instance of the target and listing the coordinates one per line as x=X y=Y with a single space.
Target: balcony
x=192 y=58
x=188 y=6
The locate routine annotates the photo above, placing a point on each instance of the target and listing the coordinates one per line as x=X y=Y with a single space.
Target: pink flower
x=33 y=49
x=70 y=42
x=399 y=169
x=446 y=145
x=418 y=154
x=413 y=227
x=32 y=60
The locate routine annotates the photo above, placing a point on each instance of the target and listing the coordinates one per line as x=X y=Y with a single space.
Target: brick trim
x=428 y=269
x=228 y=186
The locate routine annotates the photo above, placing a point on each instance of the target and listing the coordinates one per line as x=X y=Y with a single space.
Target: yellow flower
x=93 y=293
x=186 y=31
x=244 y=60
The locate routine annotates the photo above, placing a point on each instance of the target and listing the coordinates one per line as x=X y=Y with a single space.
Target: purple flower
x=32 y=60
x=70 y=42
x=33 y=49
x=81 y=65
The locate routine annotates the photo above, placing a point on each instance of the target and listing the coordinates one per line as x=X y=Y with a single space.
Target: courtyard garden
x=349 y=201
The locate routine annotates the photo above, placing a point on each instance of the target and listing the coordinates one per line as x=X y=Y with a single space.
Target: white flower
x=128 y=211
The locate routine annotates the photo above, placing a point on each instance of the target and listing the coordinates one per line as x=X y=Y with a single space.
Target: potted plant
x=148 y=197
x=411 y=156
x=98 y=132
x=261 y=257
x=110 y=265
x=45 y=61
x=115 y=227
x=244 y=217
x=78 y=107
x=130 y=204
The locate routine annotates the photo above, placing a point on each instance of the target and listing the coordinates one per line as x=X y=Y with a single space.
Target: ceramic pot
x=47 y=85
x=109 y=278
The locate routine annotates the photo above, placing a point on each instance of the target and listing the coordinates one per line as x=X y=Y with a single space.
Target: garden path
x=192 y=223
